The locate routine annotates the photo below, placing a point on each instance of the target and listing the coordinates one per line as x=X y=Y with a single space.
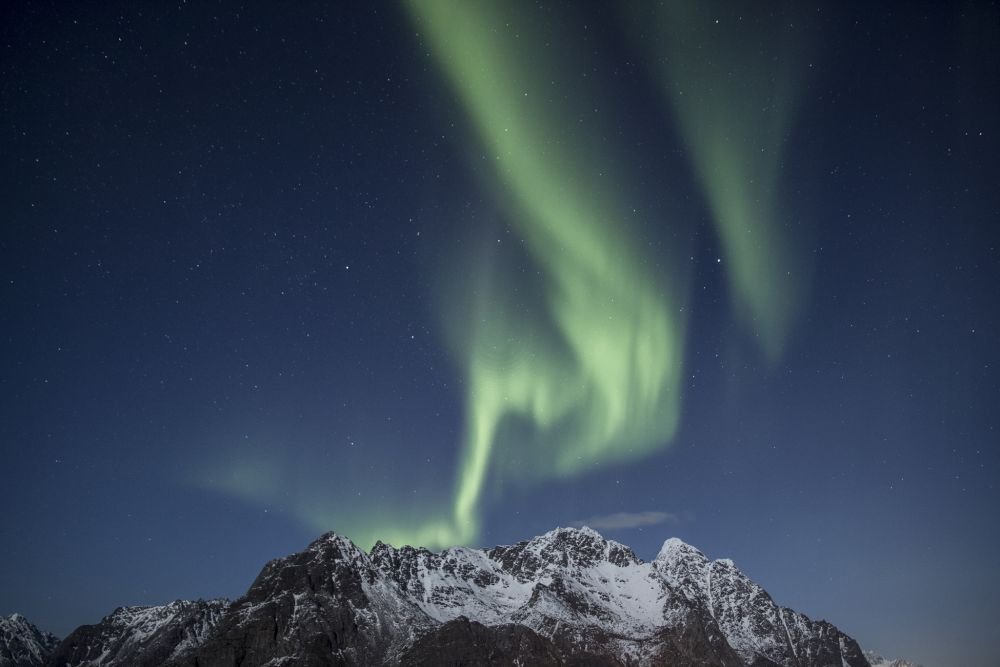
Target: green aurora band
x=732 y=82
x=595 y=378
x=581 y=365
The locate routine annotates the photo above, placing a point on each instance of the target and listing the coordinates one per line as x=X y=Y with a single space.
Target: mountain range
x=568 y=597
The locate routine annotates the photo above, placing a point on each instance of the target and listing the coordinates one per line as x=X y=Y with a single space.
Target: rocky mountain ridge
x=141 y=636
x=567 y=597
x=22 y=644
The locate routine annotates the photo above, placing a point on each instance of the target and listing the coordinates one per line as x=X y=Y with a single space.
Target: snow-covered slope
x=754 y=625
x=566 y=597
x=22 y=644
x=140 y=636
x=571 y=586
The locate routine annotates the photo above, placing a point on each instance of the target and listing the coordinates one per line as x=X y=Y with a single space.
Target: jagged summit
x=580 y=532
x=565 y=547
x=569 y=596
x=584 y=538
x=333 y=540
x=22 y=644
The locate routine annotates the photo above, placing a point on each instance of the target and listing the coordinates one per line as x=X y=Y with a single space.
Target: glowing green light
x=732 y=83
x=594 y=378
x=587 y=371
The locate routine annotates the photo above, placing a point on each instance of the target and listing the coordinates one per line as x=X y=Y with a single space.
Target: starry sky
x=459 y=272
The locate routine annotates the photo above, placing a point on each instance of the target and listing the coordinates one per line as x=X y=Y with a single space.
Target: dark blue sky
x=224 y=227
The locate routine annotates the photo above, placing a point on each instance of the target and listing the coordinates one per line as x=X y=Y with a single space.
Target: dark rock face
x=319 y=607
x=22 y=644
x=465 y=642
x=696 y=641
x=569 y=597
x=140 y=636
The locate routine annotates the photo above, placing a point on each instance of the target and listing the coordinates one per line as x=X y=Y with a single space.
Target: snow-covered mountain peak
x=21 y=643
x=582 y=531
x=562 y=548
x=337 y=546
x=580 y=535
x=675 y=548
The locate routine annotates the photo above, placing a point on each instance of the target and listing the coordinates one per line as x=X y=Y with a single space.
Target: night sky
x=455 y=272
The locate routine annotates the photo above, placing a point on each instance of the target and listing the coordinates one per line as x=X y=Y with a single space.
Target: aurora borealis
x=594 y=374
x=445 y=272
x=733 y=90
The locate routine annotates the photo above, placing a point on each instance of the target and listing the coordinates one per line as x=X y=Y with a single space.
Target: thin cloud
x=623 y=520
